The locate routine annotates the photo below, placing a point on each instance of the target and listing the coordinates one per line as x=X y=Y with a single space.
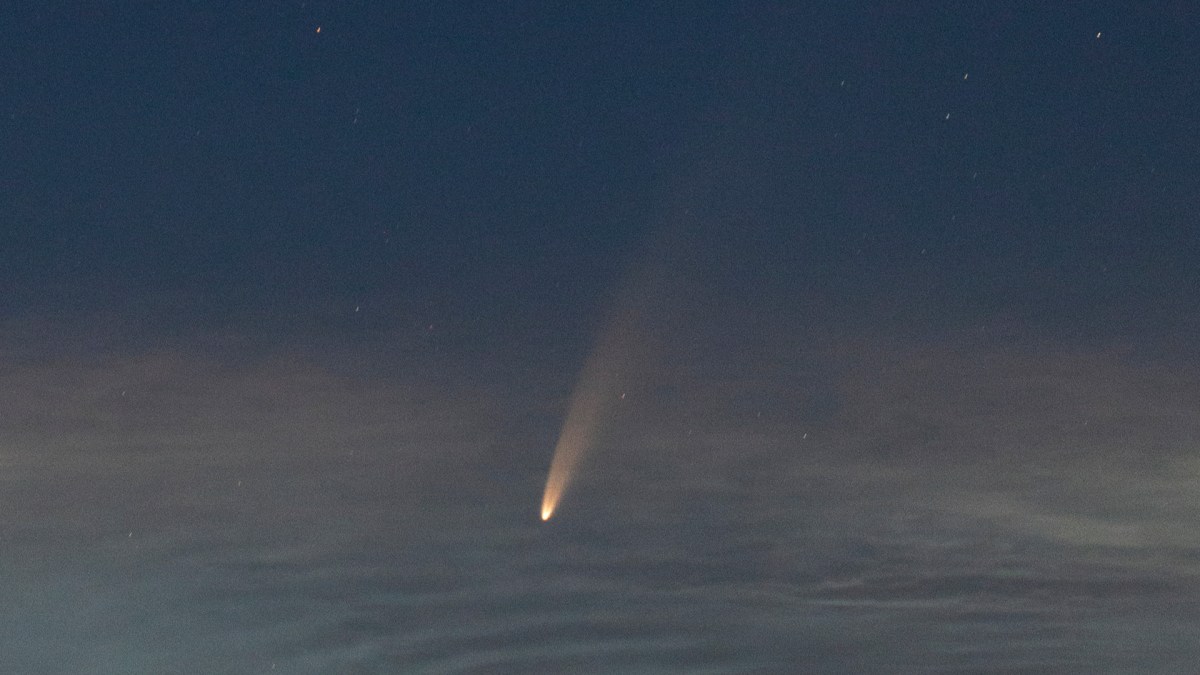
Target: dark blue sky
x=230 y=151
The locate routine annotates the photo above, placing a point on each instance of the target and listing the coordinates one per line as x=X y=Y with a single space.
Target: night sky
x=883 y=317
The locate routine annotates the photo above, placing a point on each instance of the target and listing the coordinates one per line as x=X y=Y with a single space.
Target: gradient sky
x=296 y=295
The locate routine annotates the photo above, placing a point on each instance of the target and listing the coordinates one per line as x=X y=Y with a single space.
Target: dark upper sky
x=265 y=152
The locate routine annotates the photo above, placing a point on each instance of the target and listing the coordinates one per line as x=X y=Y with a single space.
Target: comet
x=596 y=394
x=645 y=305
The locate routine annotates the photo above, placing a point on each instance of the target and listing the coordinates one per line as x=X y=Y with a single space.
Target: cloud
x=907 y=501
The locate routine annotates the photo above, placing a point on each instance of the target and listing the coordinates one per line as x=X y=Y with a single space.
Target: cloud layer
x=951 y=501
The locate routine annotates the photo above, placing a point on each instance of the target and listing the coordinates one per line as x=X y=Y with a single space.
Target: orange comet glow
x=622 y=355
x=588 y=406
x=620 y=352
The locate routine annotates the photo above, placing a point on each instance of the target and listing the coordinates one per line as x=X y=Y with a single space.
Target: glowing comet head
x=547 y=511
